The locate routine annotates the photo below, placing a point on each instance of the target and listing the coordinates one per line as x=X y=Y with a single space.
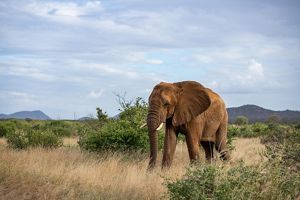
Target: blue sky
x=66 y=57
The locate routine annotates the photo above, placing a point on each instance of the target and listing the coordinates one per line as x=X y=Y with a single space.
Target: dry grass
x=249 y=150
x=2 y=142
x=70 y=141
x=68 y=173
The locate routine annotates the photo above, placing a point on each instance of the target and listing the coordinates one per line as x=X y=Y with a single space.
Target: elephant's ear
x=192 y=101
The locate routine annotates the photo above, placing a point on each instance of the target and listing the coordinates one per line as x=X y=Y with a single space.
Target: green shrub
x=122 y=134
x=276 y=178
x=248 y=131
x=241 y=131
x=233 y=130
x=284 y=142
x=267 y=181
x=13 y=124
x=18 y=139
x=20 y=124
x=259 y=129
x=60 y=128
x=22 y=139
x=197 y=183
x=6 y=128
x=241 y=120
x=297 y=125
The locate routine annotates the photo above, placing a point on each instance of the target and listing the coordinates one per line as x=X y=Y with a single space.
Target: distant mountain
x=37 y=114
x=252 y=112
x=86 y=118
x=258 y=114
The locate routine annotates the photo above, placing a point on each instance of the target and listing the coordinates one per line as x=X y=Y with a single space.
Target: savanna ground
x=69 y=173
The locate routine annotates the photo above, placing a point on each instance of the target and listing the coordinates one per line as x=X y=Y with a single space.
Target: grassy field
x=69 y=173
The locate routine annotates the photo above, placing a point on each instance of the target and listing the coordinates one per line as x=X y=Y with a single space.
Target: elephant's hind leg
x=209 y=150
x=221 y=142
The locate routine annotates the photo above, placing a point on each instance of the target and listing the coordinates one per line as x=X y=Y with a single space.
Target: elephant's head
x=177 y=103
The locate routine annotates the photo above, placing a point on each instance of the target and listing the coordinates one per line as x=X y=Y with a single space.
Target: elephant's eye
x=166 y=104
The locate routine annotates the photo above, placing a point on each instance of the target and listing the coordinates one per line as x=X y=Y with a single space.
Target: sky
x=68 y=57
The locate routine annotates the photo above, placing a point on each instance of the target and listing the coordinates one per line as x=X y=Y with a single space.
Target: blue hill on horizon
x=36 y=114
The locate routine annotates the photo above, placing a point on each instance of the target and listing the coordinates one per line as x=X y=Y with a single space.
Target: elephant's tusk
x=160 y=126
x=143 y=125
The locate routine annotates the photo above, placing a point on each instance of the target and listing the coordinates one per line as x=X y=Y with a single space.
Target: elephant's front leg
x=192 y=141
x=169 y=146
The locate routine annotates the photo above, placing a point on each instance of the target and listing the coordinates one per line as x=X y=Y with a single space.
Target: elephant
x=188 y=108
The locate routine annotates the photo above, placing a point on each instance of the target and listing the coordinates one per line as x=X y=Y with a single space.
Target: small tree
x=241 y=120
x=102 y=116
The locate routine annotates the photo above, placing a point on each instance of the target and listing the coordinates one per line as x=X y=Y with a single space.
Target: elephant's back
x=217 y=104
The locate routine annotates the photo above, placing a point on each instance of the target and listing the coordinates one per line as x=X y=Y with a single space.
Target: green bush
x=248 y=131
x=276 y=178
x=22 y=139
x=241 y=131
x=18 y=139
x=291 y=151
x=122 y=134
x=297 y=125
x=6 y=128
x=197 y=183
x=119 y=135
x=60 y=128
x=13 y=124
x=241 y=120
x=284 y=142
x=267 y=181
x=259 y=129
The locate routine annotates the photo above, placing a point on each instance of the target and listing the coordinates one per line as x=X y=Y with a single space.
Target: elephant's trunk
x=153 y=149
x=153 y=122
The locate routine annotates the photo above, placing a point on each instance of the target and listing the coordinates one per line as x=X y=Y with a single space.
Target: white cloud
x=31 y=72
x=248 y=79
x=95 y=94
x=19 y=94
x=256 y=69
x=65 y=9
x=253 y=75
x=108 y=69
x=19 y=98
x=115 y=72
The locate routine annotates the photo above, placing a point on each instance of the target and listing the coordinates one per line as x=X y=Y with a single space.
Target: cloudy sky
x=66 y=57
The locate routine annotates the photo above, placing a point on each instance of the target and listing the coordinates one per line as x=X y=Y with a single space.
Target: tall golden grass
x=68 y=173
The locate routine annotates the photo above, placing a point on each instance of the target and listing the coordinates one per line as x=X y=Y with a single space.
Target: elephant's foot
x=165 y=166
x=195 y=160
x=224 y=155
x=166 y=162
